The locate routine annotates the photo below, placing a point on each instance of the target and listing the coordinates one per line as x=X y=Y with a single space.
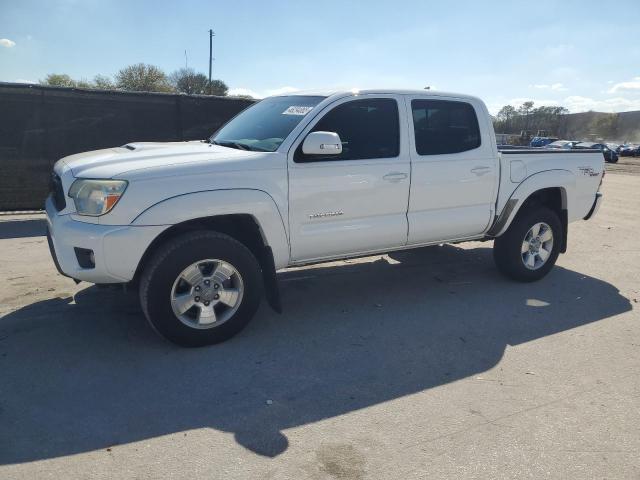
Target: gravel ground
x=625 y=165
x=421 y=364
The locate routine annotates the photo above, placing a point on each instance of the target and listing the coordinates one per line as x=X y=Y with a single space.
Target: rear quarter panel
x=578 y=174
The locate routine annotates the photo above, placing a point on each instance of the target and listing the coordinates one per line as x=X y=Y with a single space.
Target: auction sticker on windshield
x=297 y=110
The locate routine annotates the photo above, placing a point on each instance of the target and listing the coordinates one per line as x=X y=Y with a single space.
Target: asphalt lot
x=422 y=364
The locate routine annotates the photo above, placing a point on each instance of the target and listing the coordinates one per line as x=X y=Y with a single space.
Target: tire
x=508 y=248
x=200 y=257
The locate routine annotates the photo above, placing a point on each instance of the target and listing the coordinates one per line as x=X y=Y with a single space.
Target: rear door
x=357 y=201
x=455 y=169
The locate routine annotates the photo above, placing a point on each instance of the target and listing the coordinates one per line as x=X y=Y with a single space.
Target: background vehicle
x=631 y=150
x=562 y=144
x=541 y=141
x=203 y=226
x=609 y=155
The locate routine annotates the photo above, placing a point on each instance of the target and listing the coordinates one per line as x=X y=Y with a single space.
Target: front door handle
x=480 y=170
x=395 y=176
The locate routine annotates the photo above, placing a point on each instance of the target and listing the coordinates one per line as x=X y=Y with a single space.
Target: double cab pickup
x=201 y=227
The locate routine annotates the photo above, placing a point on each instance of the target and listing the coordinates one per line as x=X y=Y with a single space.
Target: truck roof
x=342 y=92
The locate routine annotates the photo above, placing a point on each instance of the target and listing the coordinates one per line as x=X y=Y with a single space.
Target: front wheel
x=200 y=288
x=528 y=250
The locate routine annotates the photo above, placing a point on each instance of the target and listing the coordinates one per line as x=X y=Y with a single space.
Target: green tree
x=218 y=87
x=506 y=113
x=504 y=119
x=58 y=80
x=103 y=82
x=513 y=120
x=82 y=83
x=547 y=118
x=63 y=80
x=524 y=110
x=143 y=78
x=186 y=80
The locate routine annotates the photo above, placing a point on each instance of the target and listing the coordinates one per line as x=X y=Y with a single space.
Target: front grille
x=57 y=193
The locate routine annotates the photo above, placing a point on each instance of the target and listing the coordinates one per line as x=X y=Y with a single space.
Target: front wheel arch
x=242 y=227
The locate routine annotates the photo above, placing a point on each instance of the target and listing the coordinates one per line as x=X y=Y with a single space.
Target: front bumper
x=595 y=207
x=117 y=249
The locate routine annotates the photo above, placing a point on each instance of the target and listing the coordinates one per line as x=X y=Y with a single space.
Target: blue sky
x=583 y=55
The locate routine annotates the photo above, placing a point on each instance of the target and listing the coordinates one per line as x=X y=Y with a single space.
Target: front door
x=354 y=202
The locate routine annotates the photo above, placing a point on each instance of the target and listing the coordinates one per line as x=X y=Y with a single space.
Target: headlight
x=96 y=197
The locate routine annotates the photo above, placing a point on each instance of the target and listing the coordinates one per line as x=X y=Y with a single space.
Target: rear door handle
x=395 y=176
x=480 y=170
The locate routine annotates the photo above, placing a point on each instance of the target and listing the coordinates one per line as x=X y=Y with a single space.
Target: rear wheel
x=200 y=288
x=528 y=250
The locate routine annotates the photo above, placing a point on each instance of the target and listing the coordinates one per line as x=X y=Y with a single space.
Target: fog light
x=86 y=257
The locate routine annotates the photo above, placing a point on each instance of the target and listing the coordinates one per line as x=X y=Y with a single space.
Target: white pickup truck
x=201 y=227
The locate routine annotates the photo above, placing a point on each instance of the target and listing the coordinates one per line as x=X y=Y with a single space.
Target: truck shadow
x=83 y=376
x=22 y=228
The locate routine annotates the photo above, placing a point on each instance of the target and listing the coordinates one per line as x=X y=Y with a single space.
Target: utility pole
x=211 y=35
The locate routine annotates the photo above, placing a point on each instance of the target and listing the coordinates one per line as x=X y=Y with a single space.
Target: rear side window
x=368 y=128
x=442 y=126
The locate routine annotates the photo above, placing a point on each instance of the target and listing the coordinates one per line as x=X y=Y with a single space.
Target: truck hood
x=116 y=162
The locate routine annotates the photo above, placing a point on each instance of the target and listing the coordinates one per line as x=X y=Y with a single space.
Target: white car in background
x=562 y=144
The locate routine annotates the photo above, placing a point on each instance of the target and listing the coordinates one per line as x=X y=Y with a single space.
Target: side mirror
x=322 y=143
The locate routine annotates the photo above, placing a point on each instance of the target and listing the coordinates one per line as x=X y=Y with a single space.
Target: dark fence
x=39 y=125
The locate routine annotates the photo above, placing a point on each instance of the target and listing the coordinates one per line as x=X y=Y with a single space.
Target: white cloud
x=263 y=93
x=5 y=42
x=626 y=86
x=577 y=103
x=556 y=87
x=281 y=91
x=22 y=80
x=243 y=91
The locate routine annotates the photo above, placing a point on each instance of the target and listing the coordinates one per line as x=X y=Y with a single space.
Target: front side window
x=368 y=128
x=265 y=125
x=443 y=126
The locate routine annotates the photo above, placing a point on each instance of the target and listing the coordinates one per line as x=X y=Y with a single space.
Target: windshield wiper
x=239 y=145
x=230 y=144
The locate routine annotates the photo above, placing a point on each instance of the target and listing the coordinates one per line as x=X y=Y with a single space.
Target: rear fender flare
x=563 y=179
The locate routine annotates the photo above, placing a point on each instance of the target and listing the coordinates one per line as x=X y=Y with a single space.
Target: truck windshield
x=264 y=126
